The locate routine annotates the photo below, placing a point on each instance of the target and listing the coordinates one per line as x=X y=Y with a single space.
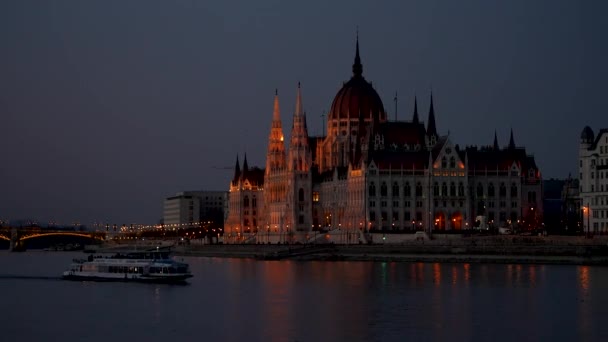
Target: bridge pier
x=14 y=244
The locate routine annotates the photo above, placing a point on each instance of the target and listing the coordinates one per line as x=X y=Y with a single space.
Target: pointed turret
x=431 y=130
x=299 y=110
x=511 y=141
x=275 y=155
x=415 y=119
x=245 y=166
x=299 y=153
x=357 y=66
x=495 y=141
x=237 y=170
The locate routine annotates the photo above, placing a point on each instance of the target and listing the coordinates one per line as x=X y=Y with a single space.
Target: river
x=247 y=300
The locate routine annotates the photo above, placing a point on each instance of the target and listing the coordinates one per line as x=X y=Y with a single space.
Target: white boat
x=153 y=265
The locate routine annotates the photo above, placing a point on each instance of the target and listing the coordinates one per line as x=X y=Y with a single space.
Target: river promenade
x=481 y=249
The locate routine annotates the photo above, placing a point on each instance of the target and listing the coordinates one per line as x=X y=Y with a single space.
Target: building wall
x=195 y=207
x=593 y=176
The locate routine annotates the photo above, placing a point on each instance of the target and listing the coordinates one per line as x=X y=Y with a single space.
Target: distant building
x=593 y=175
x=371 y=174
x=195 y=207
x=561 y=200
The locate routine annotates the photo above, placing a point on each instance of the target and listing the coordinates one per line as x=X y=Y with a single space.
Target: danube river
x=247 y=300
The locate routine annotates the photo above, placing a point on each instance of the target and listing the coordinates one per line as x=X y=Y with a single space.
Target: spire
x=299 y=110
x=237 y=170
x=357 y=67
x=495 y=141
x=245 y=167
x=299 y=152
x=275 y=155
x=276 y=113
x=431 y=129
x=511 y=141
x=415 y=120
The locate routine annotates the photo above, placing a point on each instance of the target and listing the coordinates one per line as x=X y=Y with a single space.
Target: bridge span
x=18 y=236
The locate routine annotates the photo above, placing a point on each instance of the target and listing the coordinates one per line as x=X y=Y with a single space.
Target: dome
x=357 y=96
x=587 y=134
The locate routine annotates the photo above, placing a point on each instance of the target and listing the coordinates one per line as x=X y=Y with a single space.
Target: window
x=452 y=162
x=395 y=189
x=491 y=190
x=444 y=189
x=383 y=204
x=315 y=196
x=444 y=163
x=407 y=191
x=246 y=202
x=418 y=189
x=301 y=219
x=395 y=204
x=513 y=190
x=383 y=189
x=502 y=192
x=479 y=190
x=301 y=195
x=452 y=189
x=372 y=204
x=372 y=189
x=460 y=189
x=436 y=189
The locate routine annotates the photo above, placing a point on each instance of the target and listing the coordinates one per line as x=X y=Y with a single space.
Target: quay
x=490 y=249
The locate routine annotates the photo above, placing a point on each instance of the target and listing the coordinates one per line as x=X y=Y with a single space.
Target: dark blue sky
x=107 y=107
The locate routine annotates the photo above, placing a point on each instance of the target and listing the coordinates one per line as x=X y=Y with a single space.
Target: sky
x=108 y=107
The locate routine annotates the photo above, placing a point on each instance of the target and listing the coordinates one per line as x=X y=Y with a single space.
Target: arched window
x=513 y=190
x=502 y=191
x=407 y=190
x=460 y=189
x=372 y=189
x=444 y=189
x=246 y=202
x=418 y=189
x=383 y=190
x=436 y=189
x=395 y=189
x=452 y=189
x=452 y=162
x=254 y=202
x=491 y=190
x=444 y=163
x=479 y=190
x=301 y=195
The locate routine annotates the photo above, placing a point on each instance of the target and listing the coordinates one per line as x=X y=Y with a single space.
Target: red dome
x=357 y=96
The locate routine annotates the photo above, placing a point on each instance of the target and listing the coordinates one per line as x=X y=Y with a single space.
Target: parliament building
x=369 y=174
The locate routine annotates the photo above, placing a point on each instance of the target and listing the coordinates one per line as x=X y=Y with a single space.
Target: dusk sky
x=108 y=107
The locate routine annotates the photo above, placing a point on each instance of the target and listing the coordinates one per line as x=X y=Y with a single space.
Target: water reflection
x=583 y=299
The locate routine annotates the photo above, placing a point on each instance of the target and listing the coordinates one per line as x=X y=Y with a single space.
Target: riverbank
x=498 y=250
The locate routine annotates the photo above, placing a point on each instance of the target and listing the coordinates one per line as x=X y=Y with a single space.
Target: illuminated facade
x=593 y=180
x=371 y=174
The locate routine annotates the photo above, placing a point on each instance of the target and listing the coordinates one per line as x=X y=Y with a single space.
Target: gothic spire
x=299 y=110
x=431 y=129
x=495 y=141
x=276 y=113
x=237 y=170
x=511 y=141
x=415 y=120
x=245 y=167
x=357 y=67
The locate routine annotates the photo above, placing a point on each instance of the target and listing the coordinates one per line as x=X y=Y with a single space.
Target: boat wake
x=26 y=277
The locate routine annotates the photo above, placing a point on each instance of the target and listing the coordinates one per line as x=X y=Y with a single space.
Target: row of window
x=443 y=190
x=599 y=200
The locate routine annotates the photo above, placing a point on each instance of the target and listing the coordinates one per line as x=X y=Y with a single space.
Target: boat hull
x=175 y=279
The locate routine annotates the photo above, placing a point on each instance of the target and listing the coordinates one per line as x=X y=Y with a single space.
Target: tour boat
x=152 y=265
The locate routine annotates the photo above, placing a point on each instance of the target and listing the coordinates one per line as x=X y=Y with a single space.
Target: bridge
x=18 y=236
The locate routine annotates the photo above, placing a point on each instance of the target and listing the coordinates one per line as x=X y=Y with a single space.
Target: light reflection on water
x=238 y=300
